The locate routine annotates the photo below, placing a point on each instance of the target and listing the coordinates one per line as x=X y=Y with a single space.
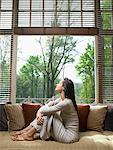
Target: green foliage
x=107 y=50
x=41 y=73
x=106 y=15
x=29 y=79
x=85 y=69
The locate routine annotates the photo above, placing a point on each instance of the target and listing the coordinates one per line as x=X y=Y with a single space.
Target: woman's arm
x=39 y=114
x=53 y=102
x=52 y=109
x=50 y=103
x=57 y=101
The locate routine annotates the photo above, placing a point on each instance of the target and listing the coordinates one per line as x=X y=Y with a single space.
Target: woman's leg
x=33 y=123
x=29 y=132
x=62 y=134
x=21 y=131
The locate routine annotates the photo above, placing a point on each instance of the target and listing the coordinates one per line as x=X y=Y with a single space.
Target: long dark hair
x=69 y=90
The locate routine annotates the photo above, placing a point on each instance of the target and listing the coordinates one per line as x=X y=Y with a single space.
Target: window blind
x=6 y=14
x=106 y=32
x=5 y=75
x=47 y=13
x=39 y=13
x=6 y=19
x=56 y=13
x=108 y=69
x=61 y=13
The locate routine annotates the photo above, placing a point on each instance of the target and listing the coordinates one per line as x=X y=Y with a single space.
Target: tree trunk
x=52 y=92
x=44 y=86
x=85 y=86
x=93 y=86
x=48 y=88
x=36 y=91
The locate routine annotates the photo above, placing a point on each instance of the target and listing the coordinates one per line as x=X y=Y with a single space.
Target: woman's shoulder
x=64 y=102
x=67 y=100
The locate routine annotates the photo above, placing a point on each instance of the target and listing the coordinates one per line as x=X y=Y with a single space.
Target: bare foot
x=16 y=133
x=21 y=131
x=22 y=137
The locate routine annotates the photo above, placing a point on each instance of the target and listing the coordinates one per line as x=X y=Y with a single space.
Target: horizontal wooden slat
x=6 y=31
x=55 y=31
x=106 y=32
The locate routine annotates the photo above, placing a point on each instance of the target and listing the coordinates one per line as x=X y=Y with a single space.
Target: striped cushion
x=15 y=117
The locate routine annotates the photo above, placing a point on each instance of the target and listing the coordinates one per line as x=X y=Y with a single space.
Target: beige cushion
x=15 y=117
x=89 y=140
x=96 y=117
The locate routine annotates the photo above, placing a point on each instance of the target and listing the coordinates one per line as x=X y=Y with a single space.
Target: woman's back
x=66 y=126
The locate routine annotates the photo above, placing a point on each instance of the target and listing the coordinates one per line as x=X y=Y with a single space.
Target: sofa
x=96 y=128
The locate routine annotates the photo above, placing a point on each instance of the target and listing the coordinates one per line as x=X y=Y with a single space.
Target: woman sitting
x=65 y=123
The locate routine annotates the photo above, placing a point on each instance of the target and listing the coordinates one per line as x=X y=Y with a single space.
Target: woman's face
x=59 y=88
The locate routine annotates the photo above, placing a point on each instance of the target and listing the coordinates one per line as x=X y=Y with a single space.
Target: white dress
x=65 y=127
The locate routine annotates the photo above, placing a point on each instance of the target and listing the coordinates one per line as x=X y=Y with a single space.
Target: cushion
x=96 y=117
x=29 y=111
x=89 y=140
x=108 y=123
x=15 y=117
x=83 y=112
x=3 y=119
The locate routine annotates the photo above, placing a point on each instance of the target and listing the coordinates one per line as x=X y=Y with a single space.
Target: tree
x=60 y=51
x=85 y=69
x=46 y=67
x=29 y=78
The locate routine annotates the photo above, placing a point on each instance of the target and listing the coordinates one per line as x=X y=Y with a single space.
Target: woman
x=65 y=127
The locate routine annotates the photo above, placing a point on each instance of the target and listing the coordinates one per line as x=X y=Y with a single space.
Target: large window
x=43 y=61
x=108 y=69
x=66 y=17
x=106 y=9
x=6 y=17
x=56 y=13
x=5 y=77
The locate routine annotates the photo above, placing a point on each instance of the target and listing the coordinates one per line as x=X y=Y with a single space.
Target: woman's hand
x=40 y=118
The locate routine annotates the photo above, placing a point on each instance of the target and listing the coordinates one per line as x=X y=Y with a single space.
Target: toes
x=21 y=137
x=17 y=138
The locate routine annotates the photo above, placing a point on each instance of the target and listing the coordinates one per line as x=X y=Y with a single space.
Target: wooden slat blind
x=48 y=13
x=6 y=14
x=56 y=13
x=64 y=16
x=5 y=75
x=106 y=33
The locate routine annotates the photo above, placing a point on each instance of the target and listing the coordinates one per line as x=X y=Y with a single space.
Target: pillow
x=3 y=119
x=15 y=117
x=108 y=123
x=29 y=111
x=96 y=117
x=83 y=112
